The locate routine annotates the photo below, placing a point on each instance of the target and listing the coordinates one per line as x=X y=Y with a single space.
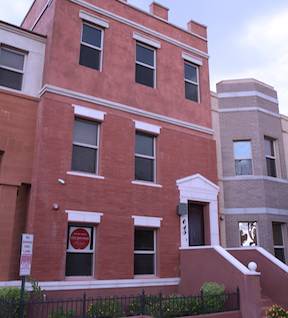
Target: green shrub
x=61 y=313
x=105 y=308
x=276 y=311
x=9 y=301
x=213 y=297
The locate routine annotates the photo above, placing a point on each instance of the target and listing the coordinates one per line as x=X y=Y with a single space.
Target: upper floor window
x=270 y=156
x=279 y=249
x=145 y=65
x=91 y=46
x=145 y=167
x=11 y=68
x=191 y=79
x=85 y=146
x=242 y=157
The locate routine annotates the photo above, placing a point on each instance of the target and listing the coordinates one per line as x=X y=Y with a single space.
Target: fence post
x=238 y=298
x=142 y=301
x=84 y=306
x=160 y=305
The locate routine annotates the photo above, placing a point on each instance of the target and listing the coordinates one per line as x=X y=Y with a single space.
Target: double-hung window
x=242 y=157
x=270 y=156
x=91 y=49
x=278 y=241
x=145 y=165
x=80 y=250
x=85 y=146
x=191 y=79
x=248 y=233
x=145 y=65
x=144 y=251
x=11 y=67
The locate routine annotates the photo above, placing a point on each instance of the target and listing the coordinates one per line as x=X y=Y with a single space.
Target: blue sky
x=247 y=38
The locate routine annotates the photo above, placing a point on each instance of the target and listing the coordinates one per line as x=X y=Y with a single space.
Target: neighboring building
x=252 y=165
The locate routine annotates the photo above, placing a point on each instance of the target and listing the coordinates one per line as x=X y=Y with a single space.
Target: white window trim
x=89 y=146
x=154 y=68
x=146 y=183
x=151 y=42
x=93 y=46
x=272 y=157
x=148 y=157
x=83 y=174
x=89 y=113
x=192 y=82
x=150 y=128
x=154 y=252
x=93 y=19
x=84 y=216
x=192 y=59
x=251 y=157
x=15 y=70
x=147 y=221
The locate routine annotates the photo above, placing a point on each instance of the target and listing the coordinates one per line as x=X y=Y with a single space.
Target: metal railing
x=158 y=306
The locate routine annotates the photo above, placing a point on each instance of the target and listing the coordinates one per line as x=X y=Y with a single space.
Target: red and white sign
x=26 y=254
x=80 y=238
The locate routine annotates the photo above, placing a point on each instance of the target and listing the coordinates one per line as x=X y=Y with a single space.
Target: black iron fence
x=158 y=306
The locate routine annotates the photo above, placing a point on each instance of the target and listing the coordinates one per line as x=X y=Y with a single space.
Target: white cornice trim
x=147 y=221
x=86 y=16
x=129 y=109
x=259 y=210
x=249 y=109
x=139 y=27
x=252 y=178
x=98 y=284
x=192 y=59
x=148 y=41
x=248 y=94
x=23 y=33
x=262 y=251
x=84 y=216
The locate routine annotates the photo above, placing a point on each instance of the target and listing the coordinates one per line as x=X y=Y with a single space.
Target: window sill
x=147 y=184
x=78 y=278
x=148 y=276
x=83 y=174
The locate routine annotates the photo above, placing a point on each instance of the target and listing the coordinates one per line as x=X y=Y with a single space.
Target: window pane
x=191 y=91
x=145 y=55
x=242 y=150
x=144 y=169
x=84 y=159
x=248 y=233
x=271 y=167
x=277 y=233
x=269 y=147
x=91 y=35
x=89 y=57
x=85 y=131
x=144 y=240
x=79 y=264
x=11 y=59
x=144 y=144
x=10 y=79
x=279 y=253
x=143 y=264
x=190 y=72
x=243 y=167
x=144 y=75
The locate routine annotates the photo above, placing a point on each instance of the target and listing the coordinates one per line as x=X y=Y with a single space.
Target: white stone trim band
x=147 y=221
x=93 y=19
x=248 y=94
x=252 y=178
x=249 y=109
x=259 y=210
x=153 y=129
x=192 y=59
x=148 y=41
x=129 y=109
x=84 y=216
x=98 y=284
x=88 y=113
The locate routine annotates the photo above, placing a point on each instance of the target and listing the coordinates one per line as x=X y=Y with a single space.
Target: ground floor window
x=278 y=241
x=248 y=233
x=144 y=251
x=80 y=250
